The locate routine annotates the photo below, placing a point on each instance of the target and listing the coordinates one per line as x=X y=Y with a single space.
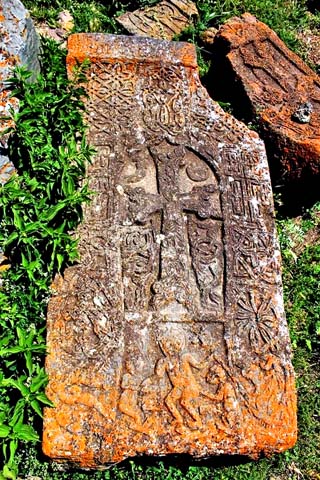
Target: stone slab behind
x=282 y=91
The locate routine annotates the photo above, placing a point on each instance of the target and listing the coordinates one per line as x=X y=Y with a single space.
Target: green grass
x=300 y=242
x=89 y=16
x=285 y=17
x=42 y=204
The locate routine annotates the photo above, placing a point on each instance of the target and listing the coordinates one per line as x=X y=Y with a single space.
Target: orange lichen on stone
x=169 y=336
x=283 y=92
x=92 y=47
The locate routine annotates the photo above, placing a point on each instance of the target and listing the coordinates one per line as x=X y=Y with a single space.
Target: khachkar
x=169 y=336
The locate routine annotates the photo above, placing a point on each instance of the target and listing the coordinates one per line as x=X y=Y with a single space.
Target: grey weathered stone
x=20 y=42
x=19 y=46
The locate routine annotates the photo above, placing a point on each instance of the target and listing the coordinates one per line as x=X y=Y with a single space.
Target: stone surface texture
x=19 y=45
x=277 y=84
x=169 y=336
x=163 y=21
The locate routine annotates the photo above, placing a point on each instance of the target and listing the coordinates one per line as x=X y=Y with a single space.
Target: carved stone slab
x=163 y=21
x=283 y=92
x=169 y=336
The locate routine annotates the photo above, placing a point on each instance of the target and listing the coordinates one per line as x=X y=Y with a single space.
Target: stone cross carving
x=176 y=290
x=169 y=335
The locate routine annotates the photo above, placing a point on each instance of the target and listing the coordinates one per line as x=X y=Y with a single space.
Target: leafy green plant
x=40 y=207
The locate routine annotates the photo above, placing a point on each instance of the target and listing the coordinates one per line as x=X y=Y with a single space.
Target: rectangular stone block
x=169 y=336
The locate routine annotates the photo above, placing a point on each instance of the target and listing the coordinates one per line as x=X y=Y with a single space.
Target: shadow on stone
x=181 y=462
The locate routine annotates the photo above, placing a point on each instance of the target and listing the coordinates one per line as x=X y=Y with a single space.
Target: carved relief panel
x=170 y=330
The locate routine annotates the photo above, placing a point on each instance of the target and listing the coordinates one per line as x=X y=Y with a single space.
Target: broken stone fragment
x=208 y=36
x=256 y=72
x=57 y=34
x=60 y=34
x=20 y=42
x=65 y=21
x=164 y=20
x=169 y=336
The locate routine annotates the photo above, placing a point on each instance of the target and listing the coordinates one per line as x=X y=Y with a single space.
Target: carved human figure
x=273 y=369
x=185 y=389
x=152 y=392
x=262 y=382
x=224 y=396
x=274 y=377
x=130 y=386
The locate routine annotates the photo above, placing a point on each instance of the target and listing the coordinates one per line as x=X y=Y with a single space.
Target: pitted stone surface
x=278 y=86
x=169 y=336
x=19 y=46
x=164 y=20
